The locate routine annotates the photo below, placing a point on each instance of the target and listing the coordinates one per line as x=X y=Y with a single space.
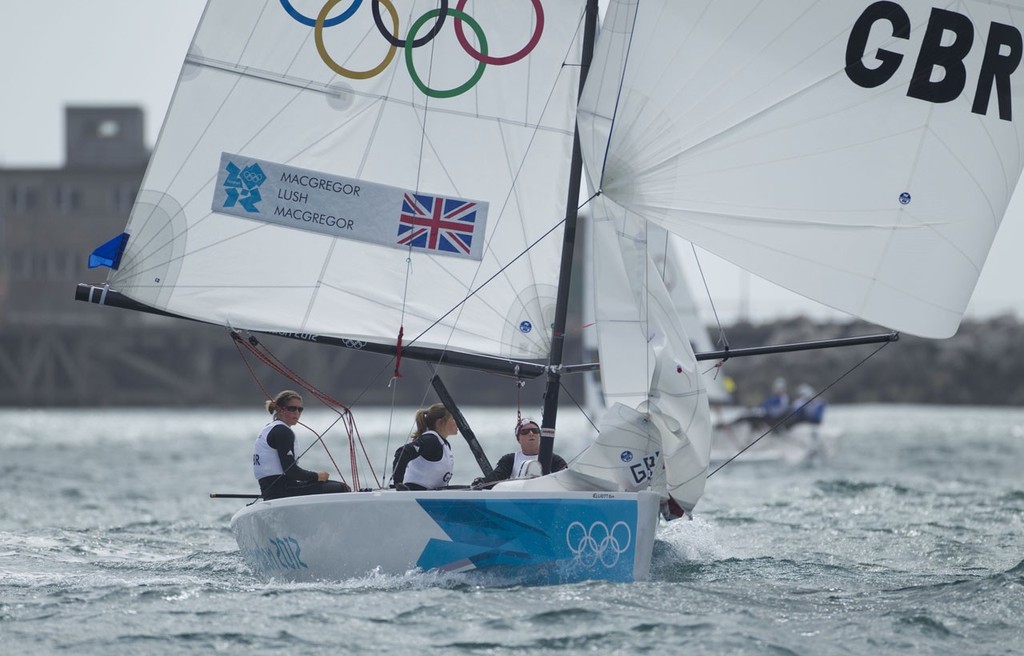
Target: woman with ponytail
x=426 y=461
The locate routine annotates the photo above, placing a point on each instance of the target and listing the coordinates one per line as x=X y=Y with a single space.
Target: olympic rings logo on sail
x=481 y=55
x=598 y=543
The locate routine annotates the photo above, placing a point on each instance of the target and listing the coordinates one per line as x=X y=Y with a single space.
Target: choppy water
x=909 y=541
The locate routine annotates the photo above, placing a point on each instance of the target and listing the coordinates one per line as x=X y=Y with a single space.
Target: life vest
x=521 y=463
x=265 y=461
x=431 y=475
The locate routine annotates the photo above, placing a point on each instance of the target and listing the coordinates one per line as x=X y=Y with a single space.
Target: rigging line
x=618 y=97
x=787 y=417
x=722 y=338
x=498 y=272
x=515 y=177
x=353 y=437
x=353 y=429
x=323 y=442
x=278 y=365
x=488 y=281
x=387 y=441
x=274 y=363
x=401 y=316
x=237 y=339
x=459 y=304
x=579 y=406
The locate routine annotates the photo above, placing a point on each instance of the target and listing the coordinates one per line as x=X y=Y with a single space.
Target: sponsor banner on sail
x=349 y=208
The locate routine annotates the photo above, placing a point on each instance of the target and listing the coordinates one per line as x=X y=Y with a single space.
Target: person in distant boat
x=274 y=455
x=517 y=463
x=426 y=461
x=806 y=407
x=777 y=404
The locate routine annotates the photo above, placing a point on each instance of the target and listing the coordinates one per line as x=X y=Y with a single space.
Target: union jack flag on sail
x=439 y=224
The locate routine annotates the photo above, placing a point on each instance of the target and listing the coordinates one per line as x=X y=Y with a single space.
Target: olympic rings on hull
x=598 y=543
x=479 y=54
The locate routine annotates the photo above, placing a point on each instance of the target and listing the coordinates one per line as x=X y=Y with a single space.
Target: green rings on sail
x=473 y=79
x=480 y=54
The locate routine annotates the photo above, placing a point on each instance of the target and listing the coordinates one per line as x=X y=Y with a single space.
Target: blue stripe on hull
x=541 y=540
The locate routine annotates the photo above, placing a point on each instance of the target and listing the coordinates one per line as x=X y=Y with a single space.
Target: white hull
x=529 y=537
x=800 y=444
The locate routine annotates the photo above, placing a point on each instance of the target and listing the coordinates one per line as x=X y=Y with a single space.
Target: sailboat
x=390 y=177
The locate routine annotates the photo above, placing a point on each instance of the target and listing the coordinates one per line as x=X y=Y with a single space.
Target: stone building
x=51 y=218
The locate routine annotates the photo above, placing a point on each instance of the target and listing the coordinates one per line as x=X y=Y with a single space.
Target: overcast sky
x=128 y=52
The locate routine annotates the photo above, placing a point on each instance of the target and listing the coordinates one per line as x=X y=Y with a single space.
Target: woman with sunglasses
x=515 y=464
x=274 y=455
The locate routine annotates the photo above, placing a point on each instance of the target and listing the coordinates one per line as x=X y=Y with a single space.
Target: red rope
x=519 y=406
x=253 y=346
x=398 y=352
x=320 y=438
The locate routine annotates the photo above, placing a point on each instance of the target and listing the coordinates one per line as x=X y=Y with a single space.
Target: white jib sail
x=859 y=153
x=647 y=362
x=668 y=252
x=315 y=175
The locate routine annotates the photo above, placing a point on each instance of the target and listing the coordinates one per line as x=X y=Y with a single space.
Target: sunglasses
x=527 y=431
x=293 y=408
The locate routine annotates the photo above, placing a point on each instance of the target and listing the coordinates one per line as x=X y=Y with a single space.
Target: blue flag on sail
x=109 y=254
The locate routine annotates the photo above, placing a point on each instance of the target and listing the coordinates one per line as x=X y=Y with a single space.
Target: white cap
x=526 y=420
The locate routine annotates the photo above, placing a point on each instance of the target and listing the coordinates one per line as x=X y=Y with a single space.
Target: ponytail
x=427 y=418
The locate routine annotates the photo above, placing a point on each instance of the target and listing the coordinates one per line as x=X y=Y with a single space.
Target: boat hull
x=800 y=444
x=522 y=537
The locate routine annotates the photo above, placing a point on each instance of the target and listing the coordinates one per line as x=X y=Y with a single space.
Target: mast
x=547 y=433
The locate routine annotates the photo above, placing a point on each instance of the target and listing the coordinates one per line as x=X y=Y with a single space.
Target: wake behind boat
x=392 y=182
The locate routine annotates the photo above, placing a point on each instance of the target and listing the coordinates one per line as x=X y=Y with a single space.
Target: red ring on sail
x=507 y=59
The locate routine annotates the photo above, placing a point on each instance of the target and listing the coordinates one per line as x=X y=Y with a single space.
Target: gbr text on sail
x=940 y=73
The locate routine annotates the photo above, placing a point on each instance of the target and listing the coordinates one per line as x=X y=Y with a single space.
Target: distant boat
x=744 y=436
x=738 y=433
x=394 y=183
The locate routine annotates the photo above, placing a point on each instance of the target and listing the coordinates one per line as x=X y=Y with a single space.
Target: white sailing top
x=521 y=463
x=265 y=461
x=431 y=474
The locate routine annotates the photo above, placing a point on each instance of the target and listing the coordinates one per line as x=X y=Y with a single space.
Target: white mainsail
x=482 y=112
x=861 y=154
